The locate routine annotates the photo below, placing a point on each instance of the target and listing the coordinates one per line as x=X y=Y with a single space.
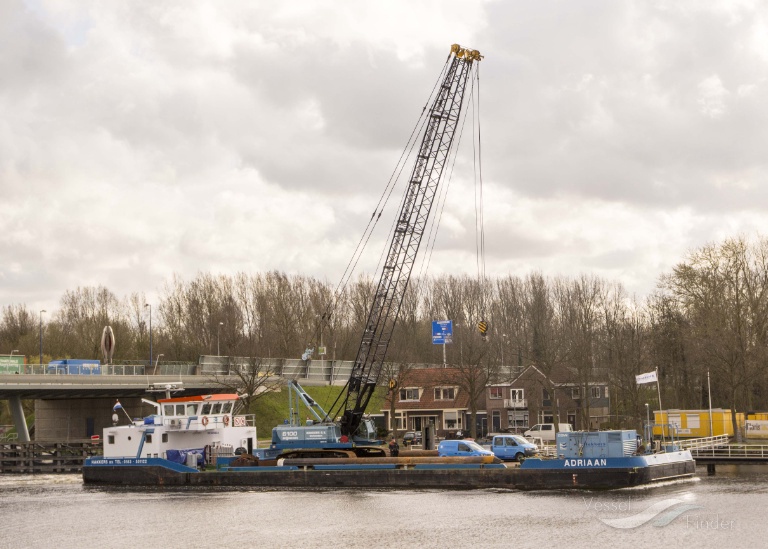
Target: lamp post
x=150 y=331
x=14 y=351
x=218 y=339
x=41 y=335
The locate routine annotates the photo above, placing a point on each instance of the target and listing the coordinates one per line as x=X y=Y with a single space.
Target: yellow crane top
x=466 y=53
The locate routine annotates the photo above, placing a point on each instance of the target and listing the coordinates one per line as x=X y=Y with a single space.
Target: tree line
x=707 y=317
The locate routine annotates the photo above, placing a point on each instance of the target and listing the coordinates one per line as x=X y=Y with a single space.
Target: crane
x=443 y=119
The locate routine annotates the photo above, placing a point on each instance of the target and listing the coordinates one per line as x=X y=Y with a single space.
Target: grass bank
x=271 y=409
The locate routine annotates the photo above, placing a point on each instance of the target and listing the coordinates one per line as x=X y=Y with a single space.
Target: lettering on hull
x=585 y=463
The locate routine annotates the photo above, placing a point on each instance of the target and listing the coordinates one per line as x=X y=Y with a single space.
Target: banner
x=650 y=377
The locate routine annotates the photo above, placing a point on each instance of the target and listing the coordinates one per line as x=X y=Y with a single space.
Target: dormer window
x=445 y=393
x=409 y=394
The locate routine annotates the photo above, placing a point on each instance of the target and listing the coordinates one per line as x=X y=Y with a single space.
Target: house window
x=409 y=394
x=575 y=393
x=517 y=419
x=399 y=421
x=445 y=393
x=451 y=420
x=595 y=392
x=545 y=394
x=517 y=394
x=496 y=392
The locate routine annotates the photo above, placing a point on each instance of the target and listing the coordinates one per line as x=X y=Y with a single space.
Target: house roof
x=428 y=379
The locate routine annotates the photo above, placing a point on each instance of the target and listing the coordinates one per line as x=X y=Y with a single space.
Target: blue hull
x=534 y=474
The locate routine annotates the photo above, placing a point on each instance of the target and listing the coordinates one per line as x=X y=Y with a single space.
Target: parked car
x=512 y=447
x=546 y=431
x=411 y=437
x=449 y=448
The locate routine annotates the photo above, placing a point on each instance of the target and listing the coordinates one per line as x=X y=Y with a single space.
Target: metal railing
x=757 y=451
x=705 y=442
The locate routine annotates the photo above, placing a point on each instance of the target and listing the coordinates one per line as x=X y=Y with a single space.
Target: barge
x=198 y=441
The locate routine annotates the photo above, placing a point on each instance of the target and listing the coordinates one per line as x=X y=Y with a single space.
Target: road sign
x=442 y=332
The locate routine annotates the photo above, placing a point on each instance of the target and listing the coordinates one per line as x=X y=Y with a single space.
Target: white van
x=546 y=431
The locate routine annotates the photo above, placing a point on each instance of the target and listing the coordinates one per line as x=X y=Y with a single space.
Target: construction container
x=696 y=423
x=756 y=426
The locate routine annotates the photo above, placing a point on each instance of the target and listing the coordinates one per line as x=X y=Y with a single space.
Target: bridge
x=76 y=406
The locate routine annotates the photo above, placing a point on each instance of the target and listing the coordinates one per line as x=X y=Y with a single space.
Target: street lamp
x=218 y=339
x=41 y=335
x=14 y=351
x=150 y=332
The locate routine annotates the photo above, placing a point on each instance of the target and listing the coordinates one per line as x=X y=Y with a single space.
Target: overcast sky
x=139 y=140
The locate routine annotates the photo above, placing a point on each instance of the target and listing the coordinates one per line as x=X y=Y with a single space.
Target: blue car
x=512 y=447
x=461 y=448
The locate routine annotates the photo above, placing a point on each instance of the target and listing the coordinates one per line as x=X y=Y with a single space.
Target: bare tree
x=250 y=378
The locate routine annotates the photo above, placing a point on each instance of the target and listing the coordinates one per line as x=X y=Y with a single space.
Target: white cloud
x=139 y=141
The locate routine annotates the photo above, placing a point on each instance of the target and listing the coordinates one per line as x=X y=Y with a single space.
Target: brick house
x=526 y=401
x=428 y=396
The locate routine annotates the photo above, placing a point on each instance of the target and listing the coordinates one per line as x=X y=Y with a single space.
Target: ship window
x=226 y=407
x=168 y=409
x=216 y=408
x=111 y=439
x=191 y=409
x=165 y=437
x=149 y=439
x=179 y=409
x=206 y=409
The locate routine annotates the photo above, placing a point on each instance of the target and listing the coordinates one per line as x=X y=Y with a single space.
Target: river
x=721 y=511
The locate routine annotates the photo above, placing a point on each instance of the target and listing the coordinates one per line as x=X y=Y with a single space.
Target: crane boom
x=443 y=119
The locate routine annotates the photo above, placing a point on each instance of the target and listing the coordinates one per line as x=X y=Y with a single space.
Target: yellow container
x=696 y=423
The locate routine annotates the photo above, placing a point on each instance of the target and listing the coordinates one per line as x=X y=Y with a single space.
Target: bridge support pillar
x=19 y=421
x=710 y=469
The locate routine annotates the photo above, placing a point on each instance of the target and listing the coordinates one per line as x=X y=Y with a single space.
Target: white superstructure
x=180 y=424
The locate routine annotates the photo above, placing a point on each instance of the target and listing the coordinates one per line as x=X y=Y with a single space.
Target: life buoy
x=204 y=421
x=226 y=420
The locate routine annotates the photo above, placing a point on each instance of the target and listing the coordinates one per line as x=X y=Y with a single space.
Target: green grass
x=271 y=409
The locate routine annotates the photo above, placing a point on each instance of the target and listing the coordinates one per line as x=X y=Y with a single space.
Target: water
x=726 y=510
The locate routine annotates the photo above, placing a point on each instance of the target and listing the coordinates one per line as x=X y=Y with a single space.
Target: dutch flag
x=117 y=406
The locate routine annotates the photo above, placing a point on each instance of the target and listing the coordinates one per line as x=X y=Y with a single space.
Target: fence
x=54 y=457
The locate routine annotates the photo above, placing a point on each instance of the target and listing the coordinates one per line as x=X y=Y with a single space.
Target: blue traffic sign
x=442 y=332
